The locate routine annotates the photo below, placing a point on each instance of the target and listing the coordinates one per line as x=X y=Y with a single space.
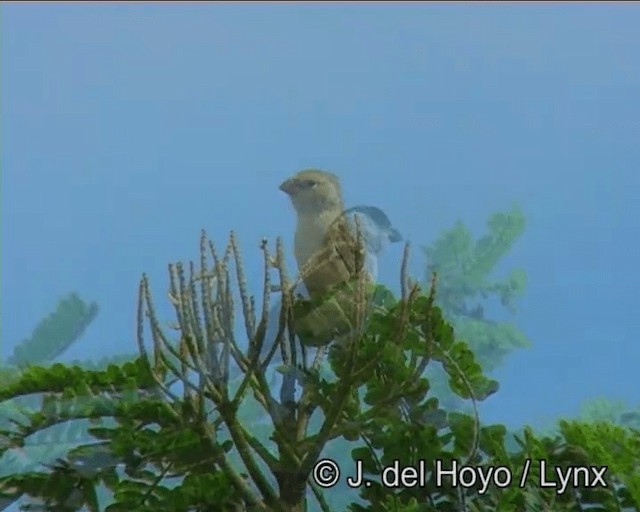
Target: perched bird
x=333 y=249
x=317 y=199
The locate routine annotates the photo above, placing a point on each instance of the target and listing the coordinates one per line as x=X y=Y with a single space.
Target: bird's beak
x=288 y=186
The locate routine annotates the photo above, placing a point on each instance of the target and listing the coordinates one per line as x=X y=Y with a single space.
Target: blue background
x=128 y=128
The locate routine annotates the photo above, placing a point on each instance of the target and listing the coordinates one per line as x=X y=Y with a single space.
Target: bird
x=333 y=247
x=316 y=197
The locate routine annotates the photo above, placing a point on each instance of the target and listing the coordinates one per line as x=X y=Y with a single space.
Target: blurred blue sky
x=128 y=128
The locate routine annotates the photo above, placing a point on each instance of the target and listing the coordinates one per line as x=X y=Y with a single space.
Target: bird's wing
x=374 y=213
x=373 y=235
x=376 y=226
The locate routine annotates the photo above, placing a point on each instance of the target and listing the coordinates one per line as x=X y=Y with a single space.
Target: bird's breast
x=309 y=238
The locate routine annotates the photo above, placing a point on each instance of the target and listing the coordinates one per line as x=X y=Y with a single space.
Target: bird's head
x=313 y=191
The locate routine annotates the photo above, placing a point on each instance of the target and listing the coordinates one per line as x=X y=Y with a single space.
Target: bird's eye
x=309 y=183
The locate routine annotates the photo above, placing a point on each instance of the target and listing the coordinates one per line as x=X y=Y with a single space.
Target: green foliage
x=613 y=446
x=578 y=446
x=55 y=333
x=604 y=410
x=465 y=288
x=51 y=337
x=159 y=453
x=47 y=443
x=169 y=431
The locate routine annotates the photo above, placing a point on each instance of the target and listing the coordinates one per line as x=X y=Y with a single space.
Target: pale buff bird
x=330 y=255
x=317 y=199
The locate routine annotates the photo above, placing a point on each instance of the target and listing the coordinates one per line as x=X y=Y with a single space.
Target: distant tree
x=466 y=287
x=55 y=333
x=605 y=410
x=467 y=292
